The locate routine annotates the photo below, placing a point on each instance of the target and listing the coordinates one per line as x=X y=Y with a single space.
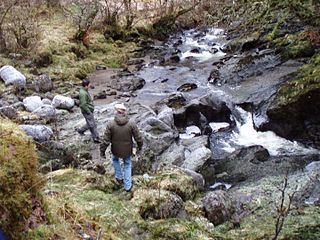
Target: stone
x=12 y=76
x=47 y=112
x=218 y=206
x=187 y=87
x=44 y=83
x=32 y=103
x=63 y=102
x=9 y=112
x=157 y=204
x=38 y=132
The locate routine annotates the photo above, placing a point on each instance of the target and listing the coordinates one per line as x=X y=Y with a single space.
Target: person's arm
x=137 y=135
x=105 y=141
x=84 y=102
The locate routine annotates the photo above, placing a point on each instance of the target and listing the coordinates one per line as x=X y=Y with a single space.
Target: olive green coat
x=86 y=104
x=119 y=133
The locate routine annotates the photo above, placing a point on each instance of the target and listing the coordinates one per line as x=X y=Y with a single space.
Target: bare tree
x=110 y=11
x=84 y=13
x=282 y=209
x=5 y=7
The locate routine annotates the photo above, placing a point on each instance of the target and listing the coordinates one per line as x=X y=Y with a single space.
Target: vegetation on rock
x=20 y=182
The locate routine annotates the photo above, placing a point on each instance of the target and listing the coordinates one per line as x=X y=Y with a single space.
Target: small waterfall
x=246 y=135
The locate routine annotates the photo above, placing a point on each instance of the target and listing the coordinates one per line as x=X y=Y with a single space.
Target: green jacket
x=86 y=104
x=119 y=133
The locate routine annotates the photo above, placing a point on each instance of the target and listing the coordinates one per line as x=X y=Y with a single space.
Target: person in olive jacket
x=119 y=132
x=87 y=108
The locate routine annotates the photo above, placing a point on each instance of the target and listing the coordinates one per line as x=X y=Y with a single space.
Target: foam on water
x=246 y=135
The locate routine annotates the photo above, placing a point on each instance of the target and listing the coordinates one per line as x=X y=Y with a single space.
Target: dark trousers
x=90 y=125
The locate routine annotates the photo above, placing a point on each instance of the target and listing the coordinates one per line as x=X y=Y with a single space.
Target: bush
x=19 y=180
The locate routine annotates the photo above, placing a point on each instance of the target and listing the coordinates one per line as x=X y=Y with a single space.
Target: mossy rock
x=307 y=79
x=175 y=181
x=292 y=47
x=157 y=204
x=19 y=179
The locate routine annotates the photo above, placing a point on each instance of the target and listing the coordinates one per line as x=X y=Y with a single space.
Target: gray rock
x=32 y=103
x=9 y=112
x=197 y=177
x=12 y=76
x=63 y=102
x=153 y=204
x=47 y=112
x=195 y=159
x=218 y=206
x=44 y=83
x=38 y=132
x=46 y=101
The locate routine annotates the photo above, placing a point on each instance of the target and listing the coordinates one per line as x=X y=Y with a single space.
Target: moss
x=175 y=181
x=274 y=33
x=18 y=177
x=195 y=228
x=292 y=46
x=307 y=79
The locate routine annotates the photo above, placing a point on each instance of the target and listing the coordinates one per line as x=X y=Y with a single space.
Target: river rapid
x=198 y=58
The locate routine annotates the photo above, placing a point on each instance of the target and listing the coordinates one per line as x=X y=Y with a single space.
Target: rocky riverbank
x=183 y=189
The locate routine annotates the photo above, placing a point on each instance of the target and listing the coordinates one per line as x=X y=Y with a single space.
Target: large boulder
x=32 y=103
x=157 y=129
x=38 y=132
x=294 y=112
x=200 y=112
x=63 y=102
x=12 y=76
x=187 y=153
x=218 y=206
x=47 y=112
x=157 y=204
x=296 y=120
x=43 y=83
x=253 y=163
x=175 y=180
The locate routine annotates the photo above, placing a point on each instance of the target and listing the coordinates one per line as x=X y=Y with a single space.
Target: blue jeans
x=126 y=171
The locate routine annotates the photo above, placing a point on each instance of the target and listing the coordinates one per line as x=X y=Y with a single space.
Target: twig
x=282 y=210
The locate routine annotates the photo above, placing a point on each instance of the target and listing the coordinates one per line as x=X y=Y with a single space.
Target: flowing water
x=198 y=51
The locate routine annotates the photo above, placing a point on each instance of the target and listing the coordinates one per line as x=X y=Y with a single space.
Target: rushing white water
x=206 y=51
x=246 y=135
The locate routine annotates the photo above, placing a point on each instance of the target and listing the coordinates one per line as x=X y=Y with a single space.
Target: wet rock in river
x=214 y=77
x=174 y=101
x=195 y=50
x=135 y=61
x=187 y=87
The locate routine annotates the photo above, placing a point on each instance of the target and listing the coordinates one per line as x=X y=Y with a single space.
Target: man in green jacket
x=119 y=133
x=86 y=106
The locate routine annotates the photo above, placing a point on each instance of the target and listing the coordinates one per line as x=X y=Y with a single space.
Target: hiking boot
x=80 y=132
x=120 y=181
x=129 y=190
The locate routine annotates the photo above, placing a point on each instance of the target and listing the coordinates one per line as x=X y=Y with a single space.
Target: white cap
x=120 y=107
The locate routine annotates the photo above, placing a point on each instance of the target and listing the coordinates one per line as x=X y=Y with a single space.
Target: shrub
x=19 y=181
